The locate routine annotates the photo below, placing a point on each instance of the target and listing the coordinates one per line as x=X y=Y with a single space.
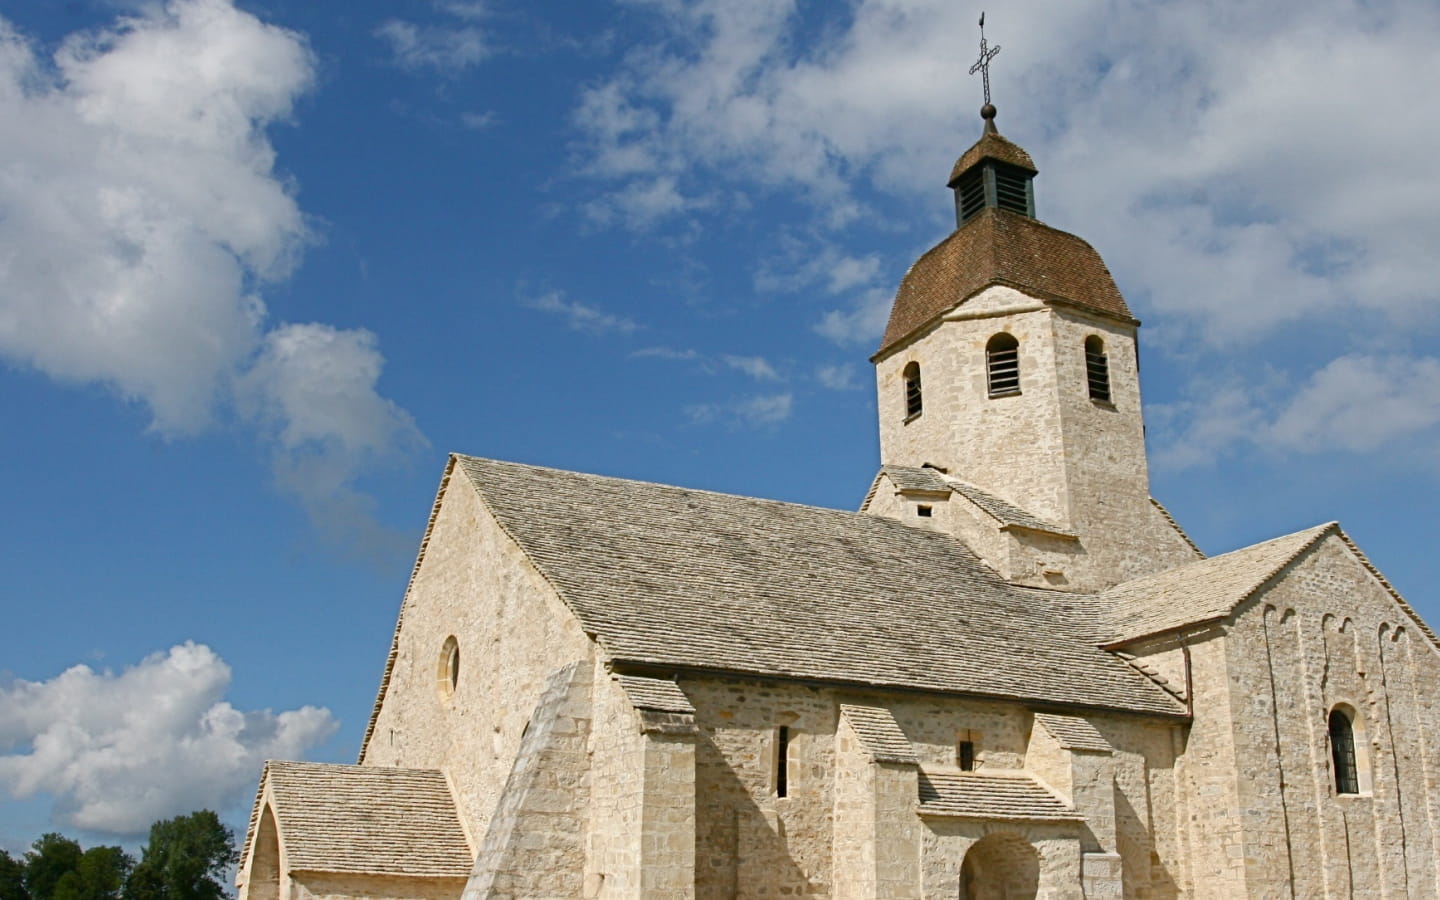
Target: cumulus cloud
x=1222 y=156
x=581 y=317
x=144 y=216
x=119 y=751
x=837 y=378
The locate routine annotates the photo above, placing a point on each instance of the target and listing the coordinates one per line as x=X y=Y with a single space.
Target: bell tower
x=1009 y=393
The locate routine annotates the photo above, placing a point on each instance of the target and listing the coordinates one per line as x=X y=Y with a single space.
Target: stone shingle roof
x=688 y=579
x=1001 y=247
x=974 y=796
x=1202 y=591
x=367 y=819
x=1007 y=514
x=880 y=733
x=1073 y=732
x=659 y=694
x=922 y=478
x=992 y=145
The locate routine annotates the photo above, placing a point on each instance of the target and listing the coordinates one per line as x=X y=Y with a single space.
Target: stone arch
x=1000 y=866
x=264 y=880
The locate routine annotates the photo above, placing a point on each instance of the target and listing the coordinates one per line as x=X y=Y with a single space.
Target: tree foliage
x=187 y=858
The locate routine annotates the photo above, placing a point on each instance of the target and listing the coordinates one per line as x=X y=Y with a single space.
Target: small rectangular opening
x=782 y=761
x=967 y=756
x=924 y=511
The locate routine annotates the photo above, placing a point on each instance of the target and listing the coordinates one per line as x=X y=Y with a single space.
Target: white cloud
x=479 y=121
x=443 y=48
x=757 y=367
x=862 y=323
x=143 y=215
x=1360 y=403
x=837 y=378
x=665 y=353
x=119 y=751
x=1250 y=173
x=754 y=411
x=581 y=317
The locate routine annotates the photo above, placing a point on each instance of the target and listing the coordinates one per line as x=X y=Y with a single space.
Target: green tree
x=47 y=861
x=99 y=875
x=185 y=859
x=12 y=878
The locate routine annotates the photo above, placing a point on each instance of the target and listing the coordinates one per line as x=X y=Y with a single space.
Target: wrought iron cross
x=982 y=65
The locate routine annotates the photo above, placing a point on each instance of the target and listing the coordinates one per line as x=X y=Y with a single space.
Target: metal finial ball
x=987 y=111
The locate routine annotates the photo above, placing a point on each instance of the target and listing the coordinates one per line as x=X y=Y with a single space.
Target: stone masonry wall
x=750 y=843
x=1329 y=634
x=1050 y=449
x=512 y=630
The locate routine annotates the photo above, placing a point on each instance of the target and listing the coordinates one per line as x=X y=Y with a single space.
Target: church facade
x=1009 y=674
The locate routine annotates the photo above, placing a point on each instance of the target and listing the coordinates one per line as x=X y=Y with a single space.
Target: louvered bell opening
x=1012 y=190
x=1097 y=370
x=970 y=194
x=913 y=401
x=1002 y=365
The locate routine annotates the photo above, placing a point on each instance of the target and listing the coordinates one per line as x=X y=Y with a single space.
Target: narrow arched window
x=1342 y=753
x=1002 y=365
x=1097 y=369
x=913 y=401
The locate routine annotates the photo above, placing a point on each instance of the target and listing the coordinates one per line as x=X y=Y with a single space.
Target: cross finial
x=982 y=65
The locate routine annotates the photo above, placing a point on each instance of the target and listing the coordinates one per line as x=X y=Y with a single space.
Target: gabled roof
x=685 y=579
x=879 y=733
x=928 y=480
x=1073 y=732
x=1202 y=591
x=366 y=819
x=1002 y=247
x=971 y=795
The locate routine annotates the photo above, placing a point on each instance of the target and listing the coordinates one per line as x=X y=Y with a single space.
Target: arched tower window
x=1342 y=753
x=1002 y=365
x=1097 y=369
x=913 y=400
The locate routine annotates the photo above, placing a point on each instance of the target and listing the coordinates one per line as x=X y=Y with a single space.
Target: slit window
x=782 y=761
x=1002 y=365
x=914 y=402
x=1342 y=753
x=966 y=754
x=1097 y=369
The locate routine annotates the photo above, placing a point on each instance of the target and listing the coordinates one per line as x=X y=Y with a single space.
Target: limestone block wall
x=1050 y=449
x=512 y=631
x=751 y=843
x=876 y=829
x=340 y=886
x=1051 y=870
x=1327 y=633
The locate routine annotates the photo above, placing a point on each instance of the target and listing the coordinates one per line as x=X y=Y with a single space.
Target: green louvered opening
x=970 y=194
x=1012 y=190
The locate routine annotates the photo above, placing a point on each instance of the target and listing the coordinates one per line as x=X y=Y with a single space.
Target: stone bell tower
x=1009 y=393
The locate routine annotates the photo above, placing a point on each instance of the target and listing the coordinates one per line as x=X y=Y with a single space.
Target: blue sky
x=263 y=264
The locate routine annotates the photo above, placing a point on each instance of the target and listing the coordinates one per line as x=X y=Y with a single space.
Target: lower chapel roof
x=678 y=578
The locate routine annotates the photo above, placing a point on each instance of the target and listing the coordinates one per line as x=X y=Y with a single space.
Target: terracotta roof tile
x=667 y=576
x=367 y=819
x=972 y=795
x=992 y=145
x=1001 y=247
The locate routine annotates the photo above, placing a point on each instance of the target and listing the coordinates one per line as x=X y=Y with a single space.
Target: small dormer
x=993 y=174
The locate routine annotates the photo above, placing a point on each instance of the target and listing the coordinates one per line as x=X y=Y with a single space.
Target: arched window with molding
x=1342 y=752
x=1002 y=365
x=1097 y=369
x=914 y=401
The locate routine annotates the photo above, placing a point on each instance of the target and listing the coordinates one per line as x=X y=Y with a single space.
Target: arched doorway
x=1000 y=866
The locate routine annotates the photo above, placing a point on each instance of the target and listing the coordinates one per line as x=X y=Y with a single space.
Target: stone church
x=1009 y=674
